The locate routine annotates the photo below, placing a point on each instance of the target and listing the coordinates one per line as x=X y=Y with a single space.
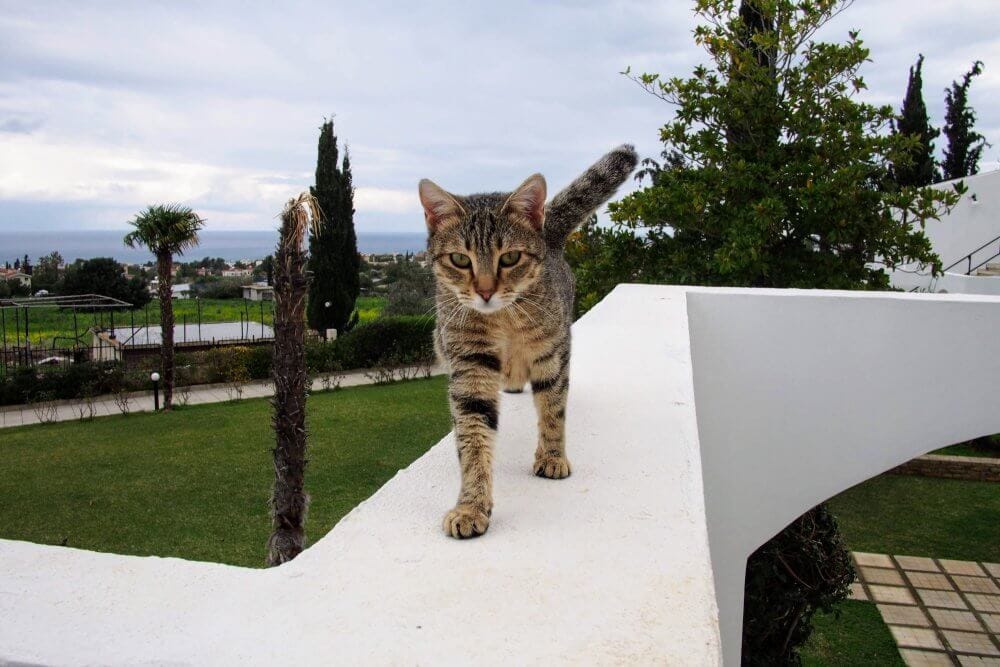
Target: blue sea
x=230 y=245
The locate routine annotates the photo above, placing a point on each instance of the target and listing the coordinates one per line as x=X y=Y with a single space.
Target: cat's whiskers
x=545 y=310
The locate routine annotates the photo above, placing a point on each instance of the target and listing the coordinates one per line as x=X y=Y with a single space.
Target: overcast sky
x=108 y=106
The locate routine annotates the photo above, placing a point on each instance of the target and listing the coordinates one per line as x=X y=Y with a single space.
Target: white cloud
x=382 y=200
x=217 y=104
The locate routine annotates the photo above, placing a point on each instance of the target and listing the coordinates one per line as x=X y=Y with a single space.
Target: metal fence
x=77 y=333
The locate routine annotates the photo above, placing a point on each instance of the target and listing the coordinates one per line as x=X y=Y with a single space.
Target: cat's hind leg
x=550 y=387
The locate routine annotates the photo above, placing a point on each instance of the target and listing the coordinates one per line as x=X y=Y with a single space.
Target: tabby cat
x=504 y=302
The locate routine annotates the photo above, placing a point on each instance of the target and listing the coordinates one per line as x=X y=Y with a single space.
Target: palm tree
x=166 y=230
x=289 y=499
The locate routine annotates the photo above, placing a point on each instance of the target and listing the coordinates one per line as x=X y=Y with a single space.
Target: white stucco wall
x=802 y=394
x=701 y=421
x=975 y=220
x=610 y=566
x=947 y=283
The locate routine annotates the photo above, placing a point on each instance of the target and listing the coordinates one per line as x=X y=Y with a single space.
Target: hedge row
x=389 y=341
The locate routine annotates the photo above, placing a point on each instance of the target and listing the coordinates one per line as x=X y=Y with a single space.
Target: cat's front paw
x=552 y=466
x=466 y=521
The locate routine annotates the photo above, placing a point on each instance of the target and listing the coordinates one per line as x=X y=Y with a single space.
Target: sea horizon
x=231 y=245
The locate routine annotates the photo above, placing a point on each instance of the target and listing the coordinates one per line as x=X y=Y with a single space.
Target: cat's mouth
x=495 y=304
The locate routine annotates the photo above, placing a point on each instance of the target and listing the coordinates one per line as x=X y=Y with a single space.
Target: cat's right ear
x=439 y=205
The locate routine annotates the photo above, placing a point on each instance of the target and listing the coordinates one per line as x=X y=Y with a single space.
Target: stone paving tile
x=891 y=594
x=993 y=569
x=937 y=582
x=977 y=661
x=873 y=560
x=992 y=622
x=971 y=642
x=897 y=614
x=878 y=575
x=946 y=599
x=980 y=602
x=857 y=592
x=976 y=585
x=915 y=658
x=953 y=619
x=917 y=563
x=962 y=567
x=916 y=637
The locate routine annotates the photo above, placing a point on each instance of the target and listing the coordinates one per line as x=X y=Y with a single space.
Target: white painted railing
x=701 y=421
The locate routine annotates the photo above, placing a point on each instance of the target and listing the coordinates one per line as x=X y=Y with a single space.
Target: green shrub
x=259 y=361
x=27 y=384
x=803 y=569
x=389 y=339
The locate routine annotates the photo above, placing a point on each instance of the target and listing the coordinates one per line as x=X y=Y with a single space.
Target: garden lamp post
x=326 y=335
x=155 y=377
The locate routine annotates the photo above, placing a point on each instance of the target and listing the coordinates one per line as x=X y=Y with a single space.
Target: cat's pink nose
x=485 y=293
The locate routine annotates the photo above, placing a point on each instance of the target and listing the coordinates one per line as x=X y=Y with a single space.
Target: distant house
x=15 y=276
x=258 y=292
x=236 y=273
x=181 y=291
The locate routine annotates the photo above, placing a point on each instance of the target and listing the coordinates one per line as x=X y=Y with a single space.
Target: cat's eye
x=460 y=260
x=510 y=258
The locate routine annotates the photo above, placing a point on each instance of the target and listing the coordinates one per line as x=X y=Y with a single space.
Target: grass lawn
x=922 y=516
x=49 y=324
x=855 y=637
x=369 y=307
x=195 y=483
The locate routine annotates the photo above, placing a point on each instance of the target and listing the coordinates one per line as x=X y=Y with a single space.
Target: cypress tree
x=333 y=251
x=965 y=145
x=913 y=122
x=351 y=260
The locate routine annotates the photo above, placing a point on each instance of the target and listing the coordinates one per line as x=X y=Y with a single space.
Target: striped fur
x=520 y=334
x=581 y=198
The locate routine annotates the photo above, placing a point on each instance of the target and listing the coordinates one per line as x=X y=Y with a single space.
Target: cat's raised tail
x=571 y=207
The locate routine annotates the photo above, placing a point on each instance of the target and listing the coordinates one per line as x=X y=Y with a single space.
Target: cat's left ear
x=529 y=200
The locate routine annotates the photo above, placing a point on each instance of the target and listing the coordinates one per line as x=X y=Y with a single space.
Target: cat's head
x=486 y=249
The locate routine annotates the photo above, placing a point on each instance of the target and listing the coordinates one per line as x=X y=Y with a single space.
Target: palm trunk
x=289 y=500
x=164 y=266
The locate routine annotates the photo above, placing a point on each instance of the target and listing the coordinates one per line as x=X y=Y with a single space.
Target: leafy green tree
x=778 y=177
x=105 y=277
x=921 y=168
x=46 y=273
x=333 y=250
x=965 y=145
x=166 y=230
x=801 y=198
x=267 y=269
x=412 y=292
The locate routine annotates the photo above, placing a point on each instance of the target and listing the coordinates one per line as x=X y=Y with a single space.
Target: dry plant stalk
x=122 y=400
x=289 y=501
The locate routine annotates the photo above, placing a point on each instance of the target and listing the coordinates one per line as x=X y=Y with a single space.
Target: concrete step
x=985 y=271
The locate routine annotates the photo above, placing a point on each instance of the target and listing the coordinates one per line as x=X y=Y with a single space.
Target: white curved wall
x=802 y=394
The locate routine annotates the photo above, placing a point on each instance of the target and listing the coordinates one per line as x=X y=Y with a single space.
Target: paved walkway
x=103 y=406
x=941 y=612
